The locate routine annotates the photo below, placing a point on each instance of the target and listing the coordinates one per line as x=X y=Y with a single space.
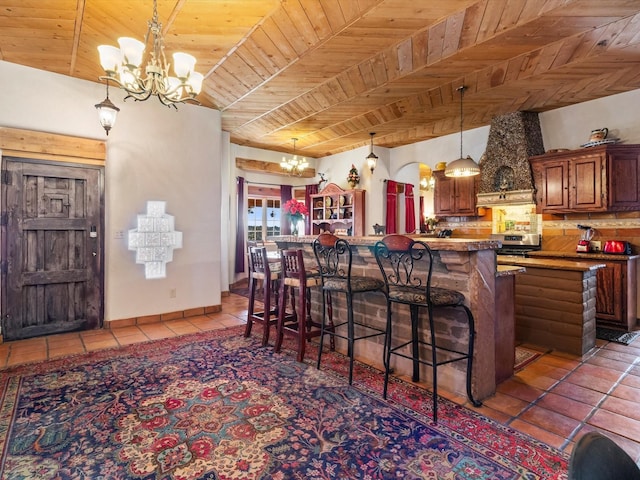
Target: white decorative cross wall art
x=154 y=240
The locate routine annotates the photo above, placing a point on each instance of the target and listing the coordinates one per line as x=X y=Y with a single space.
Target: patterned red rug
x=218 y=406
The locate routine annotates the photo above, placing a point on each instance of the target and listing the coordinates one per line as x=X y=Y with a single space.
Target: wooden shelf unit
x=338 y=211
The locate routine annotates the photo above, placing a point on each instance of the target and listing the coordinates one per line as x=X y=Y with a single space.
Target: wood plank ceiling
x=328 y=72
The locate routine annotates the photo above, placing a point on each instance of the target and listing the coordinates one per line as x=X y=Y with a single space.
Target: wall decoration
x=154 y=240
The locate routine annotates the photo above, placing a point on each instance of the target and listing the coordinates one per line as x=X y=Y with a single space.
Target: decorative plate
x=327 y=202
x=600 y=142
x=343 y=200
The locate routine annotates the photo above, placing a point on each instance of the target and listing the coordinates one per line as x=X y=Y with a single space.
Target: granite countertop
x=582 y=256
x=452 y=244
x=549 y=263
x=508 y=270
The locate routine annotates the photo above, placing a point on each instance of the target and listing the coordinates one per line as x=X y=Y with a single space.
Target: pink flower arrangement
x=295 y=209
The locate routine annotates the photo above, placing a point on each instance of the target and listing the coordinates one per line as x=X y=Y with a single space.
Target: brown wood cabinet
x=616 y=301
x=595 y=179
x=455 y=196
x=338 y=211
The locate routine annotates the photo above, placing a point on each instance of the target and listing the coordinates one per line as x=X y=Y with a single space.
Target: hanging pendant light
x=372 y=158
x=462 y=167
x=107 y=112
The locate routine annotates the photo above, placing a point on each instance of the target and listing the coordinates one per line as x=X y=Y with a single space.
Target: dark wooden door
x=52 y=248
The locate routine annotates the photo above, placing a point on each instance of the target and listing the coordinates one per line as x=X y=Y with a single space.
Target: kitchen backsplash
x=559 y=232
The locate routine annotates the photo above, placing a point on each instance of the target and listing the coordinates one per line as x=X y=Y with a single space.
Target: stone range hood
x=505 y=172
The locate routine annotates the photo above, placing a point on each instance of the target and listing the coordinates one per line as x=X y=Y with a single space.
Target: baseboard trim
x=162 y=317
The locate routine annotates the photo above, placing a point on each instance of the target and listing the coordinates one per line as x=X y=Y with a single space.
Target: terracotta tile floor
x=556 y=399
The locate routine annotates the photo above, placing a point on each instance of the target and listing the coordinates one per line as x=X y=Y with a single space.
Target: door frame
x=30 y=145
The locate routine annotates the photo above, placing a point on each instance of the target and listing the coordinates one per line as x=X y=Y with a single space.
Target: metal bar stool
x=406 y=266
x=334 y=257
x=266 y=274
x=296 y=322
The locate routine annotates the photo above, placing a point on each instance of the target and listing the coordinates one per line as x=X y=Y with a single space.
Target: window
x=264 y=218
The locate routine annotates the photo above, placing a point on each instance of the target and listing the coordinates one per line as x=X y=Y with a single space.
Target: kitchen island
x=555 y=303
x=466 y=265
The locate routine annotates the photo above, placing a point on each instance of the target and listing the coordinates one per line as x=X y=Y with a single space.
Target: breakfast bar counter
x=466 y=265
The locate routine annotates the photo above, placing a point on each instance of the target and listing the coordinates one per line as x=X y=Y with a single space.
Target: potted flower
x=296 y=211
x=353 y=178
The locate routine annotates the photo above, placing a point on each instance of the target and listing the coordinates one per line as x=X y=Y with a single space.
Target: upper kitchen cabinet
x=454 y=196
x=594 y=179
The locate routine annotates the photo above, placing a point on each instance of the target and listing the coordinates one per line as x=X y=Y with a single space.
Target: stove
x=517 y=243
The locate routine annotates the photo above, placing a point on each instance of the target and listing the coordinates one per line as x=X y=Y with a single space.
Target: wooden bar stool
x=296 y=322
x=333 y=255
x=406 y=266
x=265 y=274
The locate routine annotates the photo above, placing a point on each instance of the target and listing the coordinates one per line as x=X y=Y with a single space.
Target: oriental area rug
x=218 y=406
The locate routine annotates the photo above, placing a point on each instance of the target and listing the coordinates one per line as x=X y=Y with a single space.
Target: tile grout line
x=606 y=396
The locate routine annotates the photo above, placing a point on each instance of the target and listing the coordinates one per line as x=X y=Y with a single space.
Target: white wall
x=153 y=153
x=570 y=127
x=337 y=168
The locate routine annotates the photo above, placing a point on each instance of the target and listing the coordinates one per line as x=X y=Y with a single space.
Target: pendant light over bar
x=372 y=158
x=462 y=167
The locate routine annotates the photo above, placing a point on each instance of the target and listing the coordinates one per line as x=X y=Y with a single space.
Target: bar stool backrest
x=293 y=270
x=333 y=255
x=406 y=264
x=258 y=264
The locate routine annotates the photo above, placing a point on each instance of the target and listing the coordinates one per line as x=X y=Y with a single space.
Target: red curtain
x=392 y=205
x=409 y=208
x=309 y=190
x=240 y=215
x=423 y=225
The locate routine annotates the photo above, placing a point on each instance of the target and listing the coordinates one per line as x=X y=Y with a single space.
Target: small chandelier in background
x=462 y=167
x=294 y=165
x=123 y=67
x=427 y=183
x=372 y=158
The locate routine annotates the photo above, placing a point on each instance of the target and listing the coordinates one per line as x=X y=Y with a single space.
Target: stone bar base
x=466 y=265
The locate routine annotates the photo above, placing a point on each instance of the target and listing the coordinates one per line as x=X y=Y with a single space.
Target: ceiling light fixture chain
x=124 y=67
x=294 y=165
x=462 y=167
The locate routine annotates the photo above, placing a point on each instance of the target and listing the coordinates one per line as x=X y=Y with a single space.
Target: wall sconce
x=154 y=240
